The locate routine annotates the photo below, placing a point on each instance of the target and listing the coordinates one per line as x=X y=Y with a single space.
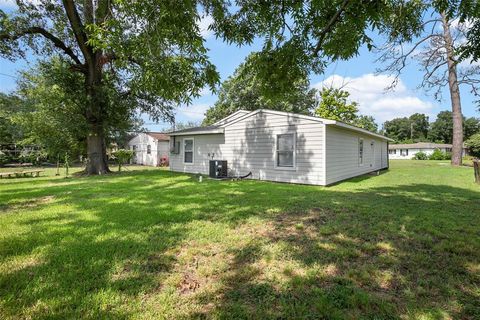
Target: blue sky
x=357 y=75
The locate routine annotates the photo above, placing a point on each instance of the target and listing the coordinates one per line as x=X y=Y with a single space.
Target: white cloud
x=194 y=112
x=203 y=24
x=369 y=91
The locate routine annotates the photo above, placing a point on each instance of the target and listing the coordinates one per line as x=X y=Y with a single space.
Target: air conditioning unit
x=218 y=169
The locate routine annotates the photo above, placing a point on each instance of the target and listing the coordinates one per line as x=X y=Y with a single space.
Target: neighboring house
x=280 y=146
x=408 y=151
x=151 y=148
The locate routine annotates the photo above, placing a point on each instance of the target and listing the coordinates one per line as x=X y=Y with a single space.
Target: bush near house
x=420 y=156
x=437 y=154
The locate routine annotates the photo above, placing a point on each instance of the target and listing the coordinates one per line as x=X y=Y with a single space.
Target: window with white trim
x=360 y=151
x=392 y=151
x=285 y=150
x=188 y=150
x=149 y=149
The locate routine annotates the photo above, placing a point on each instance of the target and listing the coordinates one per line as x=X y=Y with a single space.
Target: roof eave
x=347 y=126
x=193 y=133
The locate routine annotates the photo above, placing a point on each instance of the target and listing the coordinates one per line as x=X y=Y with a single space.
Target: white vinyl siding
x=343 y=154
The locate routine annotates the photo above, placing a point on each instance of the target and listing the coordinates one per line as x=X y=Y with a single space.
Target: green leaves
x=247 y=90
x=334 y=105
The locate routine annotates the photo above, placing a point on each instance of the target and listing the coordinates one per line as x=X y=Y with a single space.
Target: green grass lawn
x=154 y=244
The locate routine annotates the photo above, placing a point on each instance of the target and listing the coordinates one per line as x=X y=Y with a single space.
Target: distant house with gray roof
x=408 y=150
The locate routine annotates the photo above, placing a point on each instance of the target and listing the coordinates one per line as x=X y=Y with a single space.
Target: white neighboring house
x=280 y=146
x=151 y=148
x=408 y=151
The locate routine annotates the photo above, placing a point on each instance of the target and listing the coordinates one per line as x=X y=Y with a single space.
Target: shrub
x=420 y=156
x=122 y=156
x=473 y=144
x=437 y=155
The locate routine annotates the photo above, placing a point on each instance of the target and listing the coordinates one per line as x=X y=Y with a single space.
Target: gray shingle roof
x=195 y=129
x=419 y=145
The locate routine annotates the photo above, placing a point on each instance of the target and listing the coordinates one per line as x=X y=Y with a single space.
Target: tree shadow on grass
x=346 y=261
x=104 y=245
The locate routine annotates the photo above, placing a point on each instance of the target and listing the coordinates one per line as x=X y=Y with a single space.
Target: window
x=392 y=151
x=360 y=151
x=188 y=151
x=149 y=149
x=404 y=152
x=286 y=150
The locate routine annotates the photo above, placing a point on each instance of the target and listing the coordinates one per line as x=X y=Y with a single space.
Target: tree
x=471 y=126
x=473 y=144
x=366 y=122
x=10 y=104
x=436 y=49
x=187 y=125
x=160 y=59
x=52 y=97
x=334 y=105
x=419 y=126
x=442 y=128
x=243 y=91
x=123 y=156
x=157 y=47
x=399 y=129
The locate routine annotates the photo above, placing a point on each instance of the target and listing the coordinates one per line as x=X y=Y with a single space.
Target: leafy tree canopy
x=53 y=109
x=366 y=122
x=334 y=105
x=243 y=91
x=9 y=105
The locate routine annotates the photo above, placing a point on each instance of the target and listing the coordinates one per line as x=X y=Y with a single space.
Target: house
x=151 y=148
x=408 y=151
x=280 y=146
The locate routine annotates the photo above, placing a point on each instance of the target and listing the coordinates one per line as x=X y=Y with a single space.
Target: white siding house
x=408 y=151
x=151 y=148
x=280 y=146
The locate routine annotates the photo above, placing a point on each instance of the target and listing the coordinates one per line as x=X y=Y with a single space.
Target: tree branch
x=78 y=30
x=329 y=26
x=41 y=31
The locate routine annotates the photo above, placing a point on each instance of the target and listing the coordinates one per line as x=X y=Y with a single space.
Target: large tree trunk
x=97 y=156
x=96 y=146
x=457 y=147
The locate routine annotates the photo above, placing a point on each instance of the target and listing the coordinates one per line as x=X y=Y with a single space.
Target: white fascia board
x=194 y=133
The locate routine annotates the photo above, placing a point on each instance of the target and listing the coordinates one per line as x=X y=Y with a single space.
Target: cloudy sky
x=356 y=75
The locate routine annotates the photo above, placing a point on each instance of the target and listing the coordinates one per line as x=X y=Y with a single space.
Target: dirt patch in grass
x=29 y=204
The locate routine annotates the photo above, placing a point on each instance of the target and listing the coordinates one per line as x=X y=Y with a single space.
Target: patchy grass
x=154 y=244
